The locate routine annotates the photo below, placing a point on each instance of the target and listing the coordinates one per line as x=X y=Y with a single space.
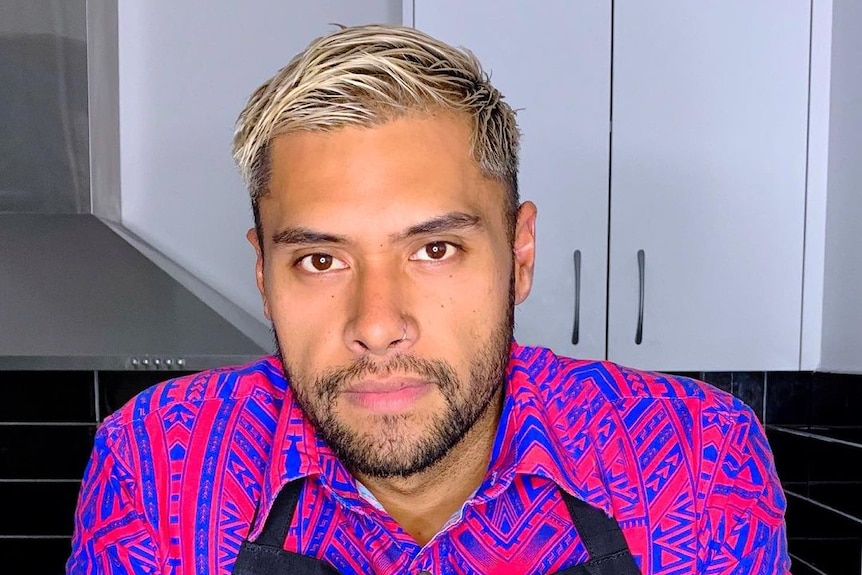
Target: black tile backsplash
x=843 y=496
x=803 y=569
x=47 y=425
x=813 y=421
x=42 y=556
x=791 y=456
x=39 y=508
x=818 y=536
x=45 y=452
x=118 y=387
x=814 y=424
x=810 y=519
x=833 y=556
x=789 y=397
x=807 y=455
x=833 y=461
x=836 y=400
x=56 y=396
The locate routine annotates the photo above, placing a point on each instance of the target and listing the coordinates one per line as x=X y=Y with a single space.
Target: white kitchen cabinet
x=710 y=111
x=705 y=171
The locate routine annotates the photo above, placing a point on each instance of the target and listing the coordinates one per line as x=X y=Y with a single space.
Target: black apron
x=609 y=554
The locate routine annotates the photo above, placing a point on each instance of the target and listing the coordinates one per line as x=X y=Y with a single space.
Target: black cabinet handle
x=639 y=334
x=576 y=325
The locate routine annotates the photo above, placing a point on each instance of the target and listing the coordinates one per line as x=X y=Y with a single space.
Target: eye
x=435 y=252
x=320 y=263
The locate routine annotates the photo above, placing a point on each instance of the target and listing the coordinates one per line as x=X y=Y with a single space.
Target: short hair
x=368 y=75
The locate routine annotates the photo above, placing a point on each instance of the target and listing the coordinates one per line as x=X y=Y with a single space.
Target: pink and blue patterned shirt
x=176 y=475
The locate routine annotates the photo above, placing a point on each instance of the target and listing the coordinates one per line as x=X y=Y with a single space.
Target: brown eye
x=436 y=250
x=319 y=263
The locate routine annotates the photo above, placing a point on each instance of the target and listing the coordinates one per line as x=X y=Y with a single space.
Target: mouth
x=391 y=395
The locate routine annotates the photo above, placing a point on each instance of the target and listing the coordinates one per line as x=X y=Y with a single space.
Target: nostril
x=396 y=342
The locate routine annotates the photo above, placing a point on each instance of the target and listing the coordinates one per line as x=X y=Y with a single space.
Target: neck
x=422 y=503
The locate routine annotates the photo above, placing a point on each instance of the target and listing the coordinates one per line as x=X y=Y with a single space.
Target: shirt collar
x=526 y=441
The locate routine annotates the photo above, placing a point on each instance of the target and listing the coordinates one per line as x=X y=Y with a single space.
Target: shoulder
x=261 y=381
x=624 y=393
x=559 y=375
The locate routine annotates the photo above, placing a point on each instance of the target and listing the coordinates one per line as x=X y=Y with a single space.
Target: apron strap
x=278 y=521
x=602 y=537
x=266 y=555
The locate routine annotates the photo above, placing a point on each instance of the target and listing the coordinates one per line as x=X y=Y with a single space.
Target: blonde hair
x=366 y=76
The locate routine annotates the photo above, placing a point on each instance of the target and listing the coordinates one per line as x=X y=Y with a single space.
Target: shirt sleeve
x=744 y=529
x=112 y=535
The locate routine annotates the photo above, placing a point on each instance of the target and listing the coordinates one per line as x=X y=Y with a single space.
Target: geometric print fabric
x=177 y=474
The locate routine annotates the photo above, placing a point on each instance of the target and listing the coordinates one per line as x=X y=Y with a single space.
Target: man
x=400 y=429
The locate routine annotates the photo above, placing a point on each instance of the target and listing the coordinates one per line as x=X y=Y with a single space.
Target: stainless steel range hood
x=76 y=294
x=77 y=289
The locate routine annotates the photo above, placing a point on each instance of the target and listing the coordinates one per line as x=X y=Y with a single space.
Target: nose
x=378 y=323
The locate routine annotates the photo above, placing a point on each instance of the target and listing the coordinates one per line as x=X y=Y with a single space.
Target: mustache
x=333 y=381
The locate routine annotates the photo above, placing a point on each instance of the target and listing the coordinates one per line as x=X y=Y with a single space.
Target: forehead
x=404 y=169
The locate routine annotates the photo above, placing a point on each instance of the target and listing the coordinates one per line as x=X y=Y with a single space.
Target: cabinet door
x=708 y=179
x=551 y=60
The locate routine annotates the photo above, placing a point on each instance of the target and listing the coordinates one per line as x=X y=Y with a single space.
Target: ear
x=524 y=247
x=252 y=238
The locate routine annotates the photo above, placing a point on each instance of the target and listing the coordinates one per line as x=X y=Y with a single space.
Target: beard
x=390 y=447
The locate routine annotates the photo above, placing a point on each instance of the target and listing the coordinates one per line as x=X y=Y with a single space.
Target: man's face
x=390 y=280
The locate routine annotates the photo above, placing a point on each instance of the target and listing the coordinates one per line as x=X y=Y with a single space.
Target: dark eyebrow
x=445 y=223
x=305 y=236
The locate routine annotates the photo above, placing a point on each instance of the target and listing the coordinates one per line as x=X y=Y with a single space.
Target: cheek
x=305 y=318
x=465 y=306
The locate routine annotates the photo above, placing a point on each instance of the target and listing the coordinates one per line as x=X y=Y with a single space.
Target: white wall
x=842 y=290
x=186 y=71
